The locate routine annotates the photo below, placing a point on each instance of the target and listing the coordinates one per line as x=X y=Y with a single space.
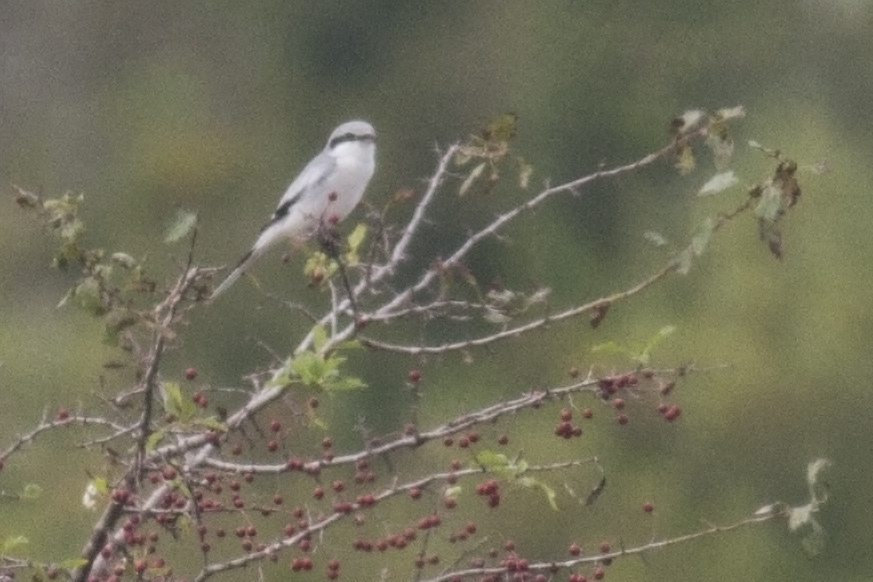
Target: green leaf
x=11 y=543
x=502 y=129
x=212 y=423
x=357 y=236
x=181 y=225
x=490 y=460
x=71 y=563
x=101 y=485
x=154 y=439
x=319 y=337
x=87 y=296
x=610 y=347
x=176 y=403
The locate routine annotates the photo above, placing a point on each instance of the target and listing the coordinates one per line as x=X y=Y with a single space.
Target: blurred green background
x=146 y=107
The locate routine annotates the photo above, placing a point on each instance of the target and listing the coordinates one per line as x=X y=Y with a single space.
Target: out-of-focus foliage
x=147 y=107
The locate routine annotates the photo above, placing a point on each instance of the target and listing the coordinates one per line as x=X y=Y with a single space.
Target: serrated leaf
x=472 y=177
x=719 y=183
x=181 y=225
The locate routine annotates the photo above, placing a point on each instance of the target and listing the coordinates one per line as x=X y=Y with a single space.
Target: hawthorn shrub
x=261 y=484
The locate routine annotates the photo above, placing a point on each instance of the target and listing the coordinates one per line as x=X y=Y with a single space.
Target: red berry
x=503 y=439
x=622 y=419
x=618 y=403
x=604 y=547
x=190 y=373
x=648 y=507
x=566 y=415
x=414 y=376
x=63 y=414
x=575 y=550
x=672 y=413
x=275 y=426
x=415 y=493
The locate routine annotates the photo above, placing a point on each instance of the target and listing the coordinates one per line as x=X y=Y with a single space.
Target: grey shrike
x=326 y=191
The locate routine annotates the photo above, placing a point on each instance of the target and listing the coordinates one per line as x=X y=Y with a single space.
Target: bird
x=326 y=191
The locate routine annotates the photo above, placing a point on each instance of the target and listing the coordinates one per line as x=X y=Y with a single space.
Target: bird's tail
x=237 y=272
